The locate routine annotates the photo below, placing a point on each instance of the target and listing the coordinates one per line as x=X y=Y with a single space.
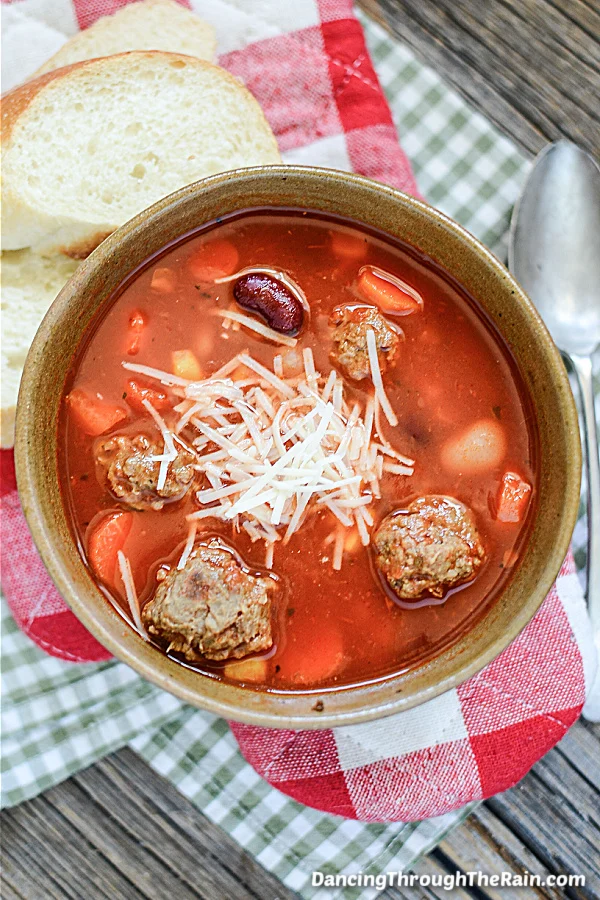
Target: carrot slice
x=387 y=292
x=186 y=365
x=215 y=259
x=325 y=659
x=348 y=246
x=137 y=392
x=105 y=541
x=513 y=498
x=137 y=323
x=92 y=415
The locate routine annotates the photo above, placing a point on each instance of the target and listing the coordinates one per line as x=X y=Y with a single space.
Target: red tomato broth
x=452 y=369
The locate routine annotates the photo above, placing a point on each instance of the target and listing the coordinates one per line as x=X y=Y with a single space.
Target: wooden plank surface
x=118 y=830
x=531 y=66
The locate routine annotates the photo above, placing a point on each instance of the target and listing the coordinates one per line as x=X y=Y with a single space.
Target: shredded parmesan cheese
x=189 y=544
x=130 y=593
x=377 y=379
x=170 y=453
x=275 y=449
x=163 y=377
x=338 y=549
x=264 y=330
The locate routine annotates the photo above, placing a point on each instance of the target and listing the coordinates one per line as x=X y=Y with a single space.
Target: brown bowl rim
x=274 y=709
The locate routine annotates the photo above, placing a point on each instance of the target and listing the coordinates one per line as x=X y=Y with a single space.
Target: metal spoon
x=554 y=252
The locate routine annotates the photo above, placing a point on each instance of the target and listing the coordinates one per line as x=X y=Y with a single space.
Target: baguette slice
x=147 y=25
x=86 y=147
x=29 y=285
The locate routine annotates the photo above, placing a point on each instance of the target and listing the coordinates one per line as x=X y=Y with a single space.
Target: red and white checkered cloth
x=307 y=64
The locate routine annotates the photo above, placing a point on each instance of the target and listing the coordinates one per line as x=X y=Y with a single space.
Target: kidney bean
x=279 y=307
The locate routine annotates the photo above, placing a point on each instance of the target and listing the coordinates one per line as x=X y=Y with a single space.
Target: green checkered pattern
x=59 y=717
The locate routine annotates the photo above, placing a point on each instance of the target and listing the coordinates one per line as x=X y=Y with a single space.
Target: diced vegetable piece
x=478 y=449
x=163 y=280
x=186 y=365
x=137 y=323
x=92 y=415
x=249 y=670
x=137 y=392
x=509 y=559
x=348 y=246
x=215 y=259
x=325 y=659
x=513 y=498
x=105 y=541
x=387 y=292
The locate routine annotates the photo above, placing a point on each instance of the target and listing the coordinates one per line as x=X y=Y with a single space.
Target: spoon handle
x=583 y=367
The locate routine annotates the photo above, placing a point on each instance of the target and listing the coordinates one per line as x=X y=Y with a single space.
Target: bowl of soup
x=298 y=448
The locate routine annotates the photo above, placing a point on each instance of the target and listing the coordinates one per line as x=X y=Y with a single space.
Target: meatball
x=212 y=608
x=349 y=351
x=431 y=547
x=132 y=473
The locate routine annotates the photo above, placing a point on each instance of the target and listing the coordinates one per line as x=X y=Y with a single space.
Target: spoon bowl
x=554 y=247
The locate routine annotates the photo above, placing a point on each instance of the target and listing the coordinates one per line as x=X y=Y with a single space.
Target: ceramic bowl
x=445 y=242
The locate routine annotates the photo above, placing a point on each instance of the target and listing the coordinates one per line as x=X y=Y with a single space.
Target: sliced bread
x=86 y=147
x=29 y=285
x=147 y=25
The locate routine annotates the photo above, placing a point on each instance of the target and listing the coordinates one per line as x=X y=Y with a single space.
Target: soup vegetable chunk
x=295 y=454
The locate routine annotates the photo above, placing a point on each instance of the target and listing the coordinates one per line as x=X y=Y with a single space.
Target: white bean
x=478 y=449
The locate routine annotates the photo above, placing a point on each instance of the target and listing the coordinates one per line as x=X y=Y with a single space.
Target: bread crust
x=16 y=101
x=24 y=225
x=186 y=27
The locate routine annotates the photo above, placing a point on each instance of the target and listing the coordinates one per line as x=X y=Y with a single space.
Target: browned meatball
x=431 y=547
x=349 y=350
x=211 y=608
x=132 y=473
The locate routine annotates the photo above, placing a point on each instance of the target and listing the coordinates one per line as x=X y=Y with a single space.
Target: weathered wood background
x=118 y=830
x=531 y=66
